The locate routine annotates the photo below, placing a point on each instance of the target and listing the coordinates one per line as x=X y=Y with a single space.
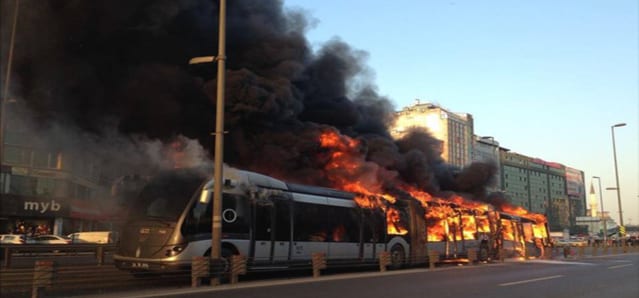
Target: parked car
x=48 y=239
x=573 y=241
x=101 y=237
x=12 y=239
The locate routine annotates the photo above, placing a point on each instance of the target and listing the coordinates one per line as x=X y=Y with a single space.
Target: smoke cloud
x=111 y=77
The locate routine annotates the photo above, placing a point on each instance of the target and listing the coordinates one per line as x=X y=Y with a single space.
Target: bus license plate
x=140 y=265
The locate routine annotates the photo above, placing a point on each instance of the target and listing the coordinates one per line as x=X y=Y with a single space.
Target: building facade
x=455 y=130
x=486 y=150
x=544 y=187
x=47 y=190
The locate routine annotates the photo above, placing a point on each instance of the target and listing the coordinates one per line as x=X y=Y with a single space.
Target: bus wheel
x=224 y=266
x=397 y=256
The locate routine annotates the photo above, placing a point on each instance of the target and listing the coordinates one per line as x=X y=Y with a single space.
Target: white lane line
x=529 y=280
x=619 y=266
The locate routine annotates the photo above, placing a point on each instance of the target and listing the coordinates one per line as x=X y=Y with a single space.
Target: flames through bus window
x=310 y=222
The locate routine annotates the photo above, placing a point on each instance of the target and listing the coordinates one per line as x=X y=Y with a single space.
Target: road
x=604 y=276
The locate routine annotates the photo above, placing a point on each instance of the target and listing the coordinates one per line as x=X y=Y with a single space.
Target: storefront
x=31 y=215
x=37 y=215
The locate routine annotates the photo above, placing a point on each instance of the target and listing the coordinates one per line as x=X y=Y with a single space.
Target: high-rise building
x=455 y=130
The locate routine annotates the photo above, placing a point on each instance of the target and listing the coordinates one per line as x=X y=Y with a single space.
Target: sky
x=546 y=79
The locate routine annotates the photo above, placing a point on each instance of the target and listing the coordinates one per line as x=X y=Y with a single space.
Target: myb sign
x=13 y=205
x=42 y=206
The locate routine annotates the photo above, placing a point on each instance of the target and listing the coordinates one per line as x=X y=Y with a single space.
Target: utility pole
x=216 y=231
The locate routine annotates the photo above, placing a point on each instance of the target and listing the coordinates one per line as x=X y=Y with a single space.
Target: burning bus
x=279 y=225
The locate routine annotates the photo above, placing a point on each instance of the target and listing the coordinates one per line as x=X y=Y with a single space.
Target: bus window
x=235 y=217
x=310 y=222
x=373 y=224
x=343 y=224
x=165 y=197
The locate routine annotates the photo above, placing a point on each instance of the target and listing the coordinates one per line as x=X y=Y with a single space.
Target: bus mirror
x=205 y=196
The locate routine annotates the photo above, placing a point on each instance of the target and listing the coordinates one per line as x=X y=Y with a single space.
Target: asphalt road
x=605 y=276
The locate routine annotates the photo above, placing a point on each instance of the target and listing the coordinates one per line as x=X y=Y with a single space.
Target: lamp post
x=216 y=223
x=614 y=152
x=603 y=216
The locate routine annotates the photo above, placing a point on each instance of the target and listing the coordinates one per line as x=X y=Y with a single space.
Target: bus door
x=281 y=227
x=373 y=225
x=263 y=233
x=310 y=228
x=343 y=227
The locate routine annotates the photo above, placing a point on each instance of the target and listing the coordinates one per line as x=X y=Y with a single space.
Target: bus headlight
x=176 y=250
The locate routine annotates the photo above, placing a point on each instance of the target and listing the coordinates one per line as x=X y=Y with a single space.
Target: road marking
x=619 y=266
x=559 y=262
x=621 y=261
x=529 y=280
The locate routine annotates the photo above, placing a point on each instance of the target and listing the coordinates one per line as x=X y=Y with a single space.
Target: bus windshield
x=166 y=196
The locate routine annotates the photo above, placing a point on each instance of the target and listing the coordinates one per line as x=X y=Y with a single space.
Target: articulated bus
x=453 y=230
x=279 y=225
x=276 y=225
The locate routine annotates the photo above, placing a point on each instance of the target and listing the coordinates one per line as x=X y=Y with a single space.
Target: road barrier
x=319 y=262
x=199 y=270
x=10 y=251
x=472 y=256
x=42 y=277
x=433 y=258
x=384 y=260
x=238 y=266
x=580 y=251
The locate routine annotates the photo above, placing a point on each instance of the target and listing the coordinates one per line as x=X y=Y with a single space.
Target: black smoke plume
x=114 y=74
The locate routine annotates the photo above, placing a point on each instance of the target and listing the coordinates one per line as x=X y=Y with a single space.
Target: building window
x=46 y=160
x=17 y=155
x=22 y=185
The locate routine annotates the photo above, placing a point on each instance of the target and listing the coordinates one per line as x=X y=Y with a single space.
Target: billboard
x=575 y=182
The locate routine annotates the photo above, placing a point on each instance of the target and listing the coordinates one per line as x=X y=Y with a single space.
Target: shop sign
x=13 y=205
x=42 y=206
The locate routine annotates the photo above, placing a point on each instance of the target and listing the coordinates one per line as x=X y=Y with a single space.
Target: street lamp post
x=603 y=216
x=216 y=223
x=614 y=152
x=216 y=234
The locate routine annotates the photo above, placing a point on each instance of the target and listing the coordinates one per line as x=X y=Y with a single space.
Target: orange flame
x=540 y=219
x=451 y=218
x=348 y=171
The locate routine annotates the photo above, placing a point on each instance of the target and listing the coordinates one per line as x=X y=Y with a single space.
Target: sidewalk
x=579 y=252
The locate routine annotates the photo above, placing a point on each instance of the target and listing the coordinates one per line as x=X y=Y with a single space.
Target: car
x=12 y=239
x=48 y=239
x=101 y=237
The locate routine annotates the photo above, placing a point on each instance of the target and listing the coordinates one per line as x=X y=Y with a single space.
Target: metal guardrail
x=10 y=251
x=55 y=278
